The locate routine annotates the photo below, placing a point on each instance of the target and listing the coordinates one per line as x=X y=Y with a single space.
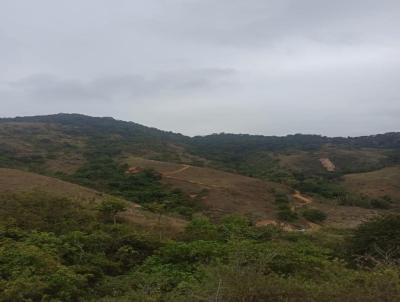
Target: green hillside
x=95 y=209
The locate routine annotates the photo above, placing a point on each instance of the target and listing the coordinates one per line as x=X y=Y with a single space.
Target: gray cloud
x=201 y=66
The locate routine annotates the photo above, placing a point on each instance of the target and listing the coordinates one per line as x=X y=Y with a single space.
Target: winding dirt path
x=305 y=200
x=184 y=168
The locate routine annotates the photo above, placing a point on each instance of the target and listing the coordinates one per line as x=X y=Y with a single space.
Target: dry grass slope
x=226 y=192
x=376 y=184
x=14 y=181
x=232 y=193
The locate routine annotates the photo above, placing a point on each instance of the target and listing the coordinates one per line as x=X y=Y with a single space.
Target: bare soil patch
x=327 y=164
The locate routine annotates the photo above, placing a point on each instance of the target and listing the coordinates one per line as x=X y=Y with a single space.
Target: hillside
x=95 y=209
x=225 y=173
x=17 y=182
x=62 y=142
x=67 y=138
x=224 y=193
x=379 y=183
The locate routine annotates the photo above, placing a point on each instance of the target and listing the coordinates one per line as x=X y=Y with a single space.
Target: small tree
x=111 y=207
x=158 y=208
x=201 y=228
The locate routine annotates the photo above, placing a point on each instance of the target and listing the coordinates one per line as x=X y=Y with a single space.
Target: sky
x=206 y=66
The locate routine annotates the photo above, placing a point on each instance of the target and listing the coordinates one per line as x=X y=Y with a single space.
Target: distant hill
x=69 y=146
x=36 y=138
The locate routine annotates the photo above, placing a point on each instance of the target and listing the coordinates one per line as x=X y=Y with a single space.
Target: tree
x=111 y=207
x=158 y=208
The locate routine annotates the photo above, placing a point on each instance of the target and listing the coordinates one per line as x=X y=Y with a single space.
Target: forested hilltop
x=96 y=209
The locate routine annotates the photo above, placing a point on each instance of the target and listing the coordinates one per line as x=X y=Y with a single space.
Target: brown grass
x=227 y=192
x=376 y=184
x=14 y=181
x=231 y=193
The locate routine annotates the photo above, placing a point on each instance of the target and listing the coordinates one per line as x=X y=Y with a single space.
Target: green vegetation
x=363 y=201
x=58 y=249
x=59 y=145
x=377 y=240
x=314 y=215
x=103 y=173
x=109 y=208
x=285 y=213
x=76 y=255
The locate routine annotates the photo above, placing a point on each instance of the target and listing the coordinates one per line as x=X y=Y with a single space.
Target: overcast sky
x=204 y=66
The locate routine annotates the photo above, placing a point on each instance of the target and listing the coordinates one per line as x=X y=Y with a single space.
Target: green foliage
x=319 y=185
x=110 y=207
x=231 y=260
x=363 y=201
x=30 y=273
x=285 y=213
x=201 y=228
x=105 y=174
x=235 y=227
x=377 y=239
x=41 y=211
x=314 y=215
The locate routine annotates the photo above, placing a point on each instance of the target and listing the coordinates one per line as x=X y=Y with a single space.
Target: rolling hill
x=95 y=209
x=226 y=173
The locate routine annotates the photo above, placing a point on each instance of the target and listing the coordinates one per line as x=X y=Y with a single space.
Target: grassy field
x=15 y=181
x=376 y=184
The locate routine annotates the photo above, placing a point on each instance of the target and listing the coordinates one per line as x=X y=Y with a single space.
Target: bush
x=378 y=238
x=314 y=215
x=286 y=214
x=201 y=228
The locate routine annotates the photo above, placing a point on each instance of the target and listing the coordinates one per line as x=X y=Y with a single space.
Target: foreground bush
x=377 y=240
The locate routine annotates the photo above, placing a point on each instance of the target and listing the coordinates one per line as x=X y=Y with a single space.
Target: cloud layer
x=204 y=66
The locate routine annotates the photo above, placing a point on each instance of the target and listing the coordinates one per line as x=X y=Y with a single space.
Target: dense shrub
x=103 y=173
x=41 y=211
x=377 y=239
x=285 y=213
x=314 y=215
